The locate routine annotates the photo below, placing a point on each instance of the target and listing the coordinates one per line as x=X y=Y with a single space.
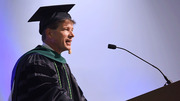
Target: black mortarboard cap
x=49 y=14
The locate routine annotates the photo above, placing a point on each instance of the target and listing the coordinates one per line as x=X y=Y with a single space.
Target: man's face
x=62 y=36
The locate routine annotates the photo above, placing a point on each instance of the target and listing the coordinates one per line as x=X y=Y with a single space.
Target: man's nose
x=71 y=34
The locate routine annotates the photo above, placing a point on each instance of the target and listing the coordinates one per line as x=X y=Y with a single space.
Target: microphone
x=111 y=46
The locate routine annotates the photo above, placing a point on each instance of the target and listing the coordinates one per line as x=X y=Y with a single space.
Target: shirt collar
x=47 y=46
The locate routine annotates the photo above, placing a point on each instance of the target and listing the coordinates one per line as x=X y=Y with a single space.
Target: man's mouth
x=68 y=42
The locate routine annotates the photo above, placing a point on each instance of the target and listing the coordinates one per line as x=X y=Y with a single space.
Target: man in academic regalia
x=42 y=74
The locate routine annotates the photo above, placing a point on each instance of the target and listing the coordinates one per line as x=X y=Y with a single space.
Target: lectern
x=167 y=93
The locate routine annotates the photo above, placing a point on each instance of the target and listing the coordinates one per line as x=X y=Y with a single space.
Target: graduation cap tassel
x=70 y=51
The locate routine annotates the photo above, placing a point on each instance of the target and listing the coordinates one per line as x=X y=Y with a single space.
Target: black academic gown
x=43 y=75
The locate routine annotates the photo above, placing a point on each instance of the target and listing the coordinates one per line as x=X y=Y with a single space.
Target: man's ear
x=48 y=32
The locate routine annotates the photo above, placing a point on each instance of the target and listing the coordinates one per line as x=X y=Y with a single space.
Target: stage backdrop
x=148 y=28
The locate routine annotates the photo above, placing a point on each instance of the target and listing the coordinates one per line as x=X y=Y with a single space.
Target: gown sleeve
x=37 y=80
